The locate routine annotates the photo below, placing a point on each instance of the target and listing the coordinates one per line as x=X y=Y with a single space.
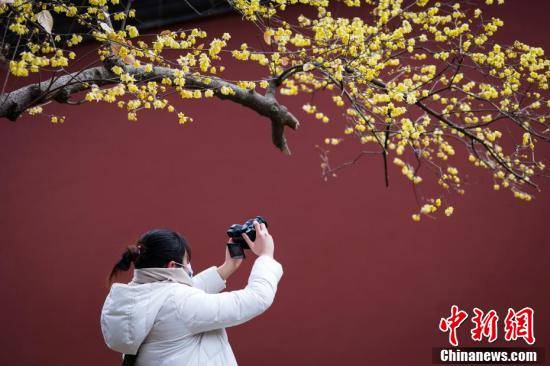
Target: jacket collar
x=148 y=275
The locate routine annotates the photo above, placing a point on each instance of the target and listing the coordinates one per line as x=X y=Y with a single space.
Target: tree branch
x=14 y=103
x=473 y=137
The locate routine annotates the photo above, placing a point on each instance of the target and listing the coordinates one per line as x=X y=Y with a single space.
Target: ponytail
x=129 y=256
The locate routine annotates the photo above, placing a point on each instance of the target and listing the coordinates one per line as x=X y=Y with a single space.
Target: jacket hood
x=129 y=313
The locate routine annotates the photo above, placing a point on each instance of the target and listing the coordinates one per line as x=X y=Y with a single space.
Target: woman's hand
x=233 y=263
x=263 y=245
x=230 y=265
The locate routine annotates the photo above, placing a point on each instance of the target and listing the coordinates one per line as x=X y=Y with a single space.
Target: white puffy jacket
x=173 y=324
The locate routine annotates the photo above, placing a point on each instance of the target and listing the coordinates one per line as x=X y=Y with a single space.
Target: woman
x=166 y=317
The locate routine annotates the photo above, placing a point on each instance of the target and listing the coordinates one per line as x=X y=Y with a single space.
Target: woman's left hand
x=230 y=265
x=231 y=262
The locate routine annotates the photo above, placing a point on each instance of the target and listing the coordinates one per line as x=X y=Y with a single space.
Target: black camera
x=235 y=231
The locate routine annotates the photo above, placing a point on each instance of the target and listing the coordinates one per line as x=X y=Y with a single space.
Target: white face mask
x=187 y=268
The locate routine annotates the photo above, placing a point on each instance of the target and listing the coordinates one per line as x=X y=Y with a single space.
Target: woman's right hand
x=263 y=245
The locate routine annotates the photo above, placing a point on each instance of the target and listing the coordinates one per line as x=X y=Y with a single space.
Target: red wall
x=362 y=283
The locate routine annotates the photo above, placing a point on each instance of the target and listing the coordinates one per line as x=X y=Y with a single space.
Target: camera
x=235 y=231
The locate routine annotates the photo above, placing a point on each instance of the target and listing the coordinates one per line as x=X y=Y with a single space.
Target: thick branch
x=14 y=103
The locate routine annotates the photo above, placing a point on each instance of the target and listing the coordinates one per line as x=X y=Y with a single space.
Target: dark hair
x=155 y=248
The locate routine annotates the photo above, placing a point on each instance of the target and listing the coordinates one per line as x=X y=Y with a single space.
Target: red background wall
x=363 y=284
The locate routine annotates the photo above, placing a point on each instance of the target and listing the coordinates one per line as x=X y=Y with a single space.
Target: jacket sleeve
x=203 y=311
x=209 y=281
